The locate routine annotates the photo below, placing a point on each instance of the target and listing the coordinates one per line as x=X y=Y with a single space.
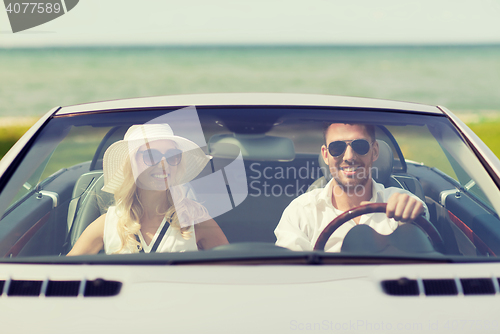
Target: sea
x=463 y=78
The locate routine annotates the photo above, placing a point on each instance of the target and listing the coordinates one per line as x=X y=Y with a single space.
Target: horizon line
x=255 y=45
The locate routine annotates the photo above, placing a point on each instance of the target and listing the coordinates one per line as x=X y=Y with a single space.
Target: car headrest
x=381 y=169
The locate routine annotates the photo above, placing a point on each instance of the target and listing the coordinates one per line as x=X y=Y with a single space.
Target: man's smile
x=350 y=170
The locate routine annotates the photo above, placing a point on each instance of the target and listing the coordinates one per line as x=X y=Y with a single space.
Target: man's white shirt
x=307 y=216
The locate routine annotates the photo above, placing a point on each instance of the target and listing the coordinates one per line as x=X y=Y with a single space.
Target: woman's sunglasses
x=360 y=146
x=153 y=157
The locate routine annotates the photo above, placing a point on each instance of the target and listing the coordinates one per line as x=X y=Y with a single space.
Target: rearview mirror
x=253 y=147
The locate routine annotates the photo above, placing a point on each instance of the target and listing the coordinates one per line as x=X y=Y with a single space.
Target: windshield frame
x=230 y=115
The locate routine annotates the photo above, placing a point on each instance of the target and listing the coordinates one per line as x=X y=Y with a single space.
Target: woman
x=146 y=172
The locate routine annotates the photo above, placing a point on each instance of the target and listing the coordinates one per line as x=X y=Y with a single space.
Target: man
x=349 y=152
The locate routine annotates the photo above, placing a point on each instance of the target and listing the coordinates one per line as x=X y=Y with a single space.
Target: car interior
x=69 y=200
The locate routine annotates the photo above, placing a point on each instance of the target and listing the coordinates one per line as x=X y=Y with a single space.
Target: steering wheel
x=427 y=227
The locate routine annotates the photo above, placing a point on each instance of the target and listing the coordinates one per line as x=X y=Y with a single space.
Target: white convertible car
x=262 y=151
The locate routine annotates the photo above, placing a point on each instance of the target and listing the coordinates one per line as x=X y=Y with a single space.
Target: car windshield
x=240 y=168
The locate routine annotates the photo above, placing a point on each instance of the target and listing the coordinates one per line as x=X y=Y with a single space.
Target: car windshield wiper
x=253 y=253
x=258 y=256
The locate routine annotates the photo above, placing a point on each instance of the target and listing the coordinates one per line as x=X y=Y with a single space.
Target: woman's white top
x=172 y=240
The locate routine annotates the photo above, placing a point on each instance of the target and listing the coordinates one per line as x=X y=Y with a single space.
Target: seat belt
x=160 y=236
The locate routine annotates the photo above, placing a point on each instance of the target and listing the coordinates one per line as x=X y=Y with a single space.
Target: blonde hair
x=130 y=210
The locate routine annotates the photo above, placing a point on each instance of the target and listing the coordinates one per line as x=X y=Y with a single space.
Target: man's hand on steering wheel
x=404 y=208
x=420 y=221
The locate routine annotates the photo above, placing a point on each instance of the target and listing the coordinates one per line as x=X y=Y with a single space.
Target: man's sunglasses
x=360 y=146
x=153 y=157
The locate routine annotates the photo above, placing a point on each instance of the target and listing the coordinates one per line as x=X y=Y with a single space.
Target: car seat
x=87 y=204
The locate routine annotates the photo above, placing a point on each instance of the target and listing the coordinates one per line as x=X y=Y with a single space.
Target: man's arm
x=289 y=234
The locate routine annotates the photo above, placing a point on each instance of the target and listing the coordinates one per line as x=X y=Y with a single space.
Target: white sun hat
x=115 y=157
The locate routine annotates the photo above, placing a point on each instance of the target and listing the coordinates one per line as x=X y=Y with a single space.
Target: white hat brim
x=115 y=157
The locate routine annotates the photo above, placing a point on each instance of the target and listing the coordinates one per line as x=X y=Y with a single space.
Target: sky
x=272 y=22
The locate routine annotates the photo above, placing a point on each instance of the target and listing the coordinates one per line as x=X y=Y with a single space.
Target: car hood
x=279 y=299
